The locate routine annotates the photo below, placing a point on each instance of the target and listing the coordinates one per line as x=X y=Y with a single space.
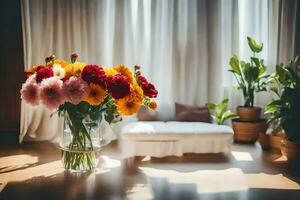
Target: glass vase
x=80 y=142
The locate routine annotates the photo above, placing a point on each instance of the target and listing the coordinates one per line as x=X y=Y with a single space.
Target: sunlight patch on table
x=43 y=170
x=10 y=163
x=242 y=156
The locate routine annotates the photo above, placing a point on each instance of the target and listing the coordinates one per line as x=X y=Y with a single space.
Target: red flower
x=74 y=56
x=118 y=86
x=94 y=74
x=136 y=67
x=148 y=88
x=43 y=73
x=50 y=58
x=40 y=67
x=142 y=79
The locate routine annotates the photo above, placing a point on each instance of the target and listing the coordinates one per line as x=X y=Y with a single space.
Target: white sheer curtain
x=183 y=46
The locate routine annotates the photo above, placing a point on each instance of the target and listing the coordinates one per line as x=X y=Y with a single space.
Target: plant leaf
x=228 y=114
x=283 y=73
x=262 y=70
x=256 y=61
x=234 y=63
x=254 y=46
x=211 y=106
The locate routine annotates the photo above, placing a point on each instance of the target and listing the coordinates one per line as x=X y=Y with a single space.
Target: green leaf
x=275 y=90
x=220 y=111
x=243 y=65
x=273 y=107
x=234 y=63
x=283 y=73
x=254 y=46
x=256 y=61
x=246 y=71
x=253 y=73
x=262 y=70
x=276 y=102
x=225 y=102
x=211 y=106
x=223 y=105
x=228 y=115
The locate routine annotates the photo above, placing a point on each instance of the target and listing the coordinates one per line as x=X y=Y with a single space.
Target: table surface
x=34 y=171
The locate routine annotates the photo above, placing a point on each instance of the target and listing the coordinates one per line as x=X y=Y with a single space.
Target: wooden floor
x=34 y=171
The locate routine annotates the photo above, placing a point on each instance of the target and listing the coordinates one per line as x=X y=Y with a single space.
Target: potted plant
x=285 y=111
x=272 y=139
x=221 y=112
x=251 y=79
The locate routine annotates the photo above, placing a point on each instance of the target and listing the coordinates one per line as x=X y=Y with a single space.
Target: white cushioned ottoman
x=159 y=139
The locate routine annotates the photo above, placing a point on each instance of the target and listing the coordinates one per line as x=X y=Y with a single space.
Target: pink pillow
x=191 y=113
x=145 y=114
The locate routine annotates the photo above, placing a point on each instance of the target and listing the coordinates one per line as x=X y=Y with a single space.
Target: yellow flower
x=62 y=63
x=77 y=68
x=124 y=71
x=136 y=93
x=153 y=105
x=127 y=107
x=95 y=95
x=109 y=72
x=68 y=70
x=74 y=69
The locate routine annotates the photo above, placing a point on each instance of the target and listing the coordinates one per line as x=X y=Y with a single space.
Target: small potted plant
x=285 y=111
x=221 y=112
x=272 y=139
x=251 y=79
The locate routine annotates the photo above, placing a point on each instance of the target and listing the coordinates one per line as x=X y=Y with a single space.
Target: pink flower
x=74 y=89
x=51 y=92
x=30 y=93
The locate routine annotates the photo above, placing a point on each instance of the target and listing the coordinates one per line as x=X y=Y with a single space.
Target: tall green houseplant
x=285 y=111
x=250 y=76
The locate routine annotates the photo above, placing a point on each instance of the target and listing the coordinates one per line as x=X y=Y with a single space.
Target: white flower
x=58 y=71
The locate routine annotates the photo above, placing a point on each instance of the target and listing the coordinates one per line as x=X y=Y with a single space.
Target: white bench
x=160 y=139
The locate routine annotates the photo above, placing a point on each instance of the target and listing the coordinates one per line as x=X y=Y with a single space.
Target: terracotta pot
x=247 y=132
x=290 y=149
x=248 y=114
x=264 y=141
x=270 y=141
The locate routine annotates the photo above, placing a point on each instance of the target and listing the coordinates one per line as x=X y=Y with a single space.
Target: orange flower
x=153 y=105
x=127 y=107
x=131 y=103
x=95 y=95
x=32 y=69
x=125 y=71
x=62 y=63
x=136 y=93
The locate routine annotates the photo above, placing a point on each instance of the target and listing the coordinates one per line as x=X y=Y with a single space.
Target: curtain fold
x=183 y=46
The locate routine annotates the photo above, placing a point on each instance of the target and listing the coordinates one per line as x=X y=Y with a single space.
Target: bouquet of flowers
x=83 y=94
